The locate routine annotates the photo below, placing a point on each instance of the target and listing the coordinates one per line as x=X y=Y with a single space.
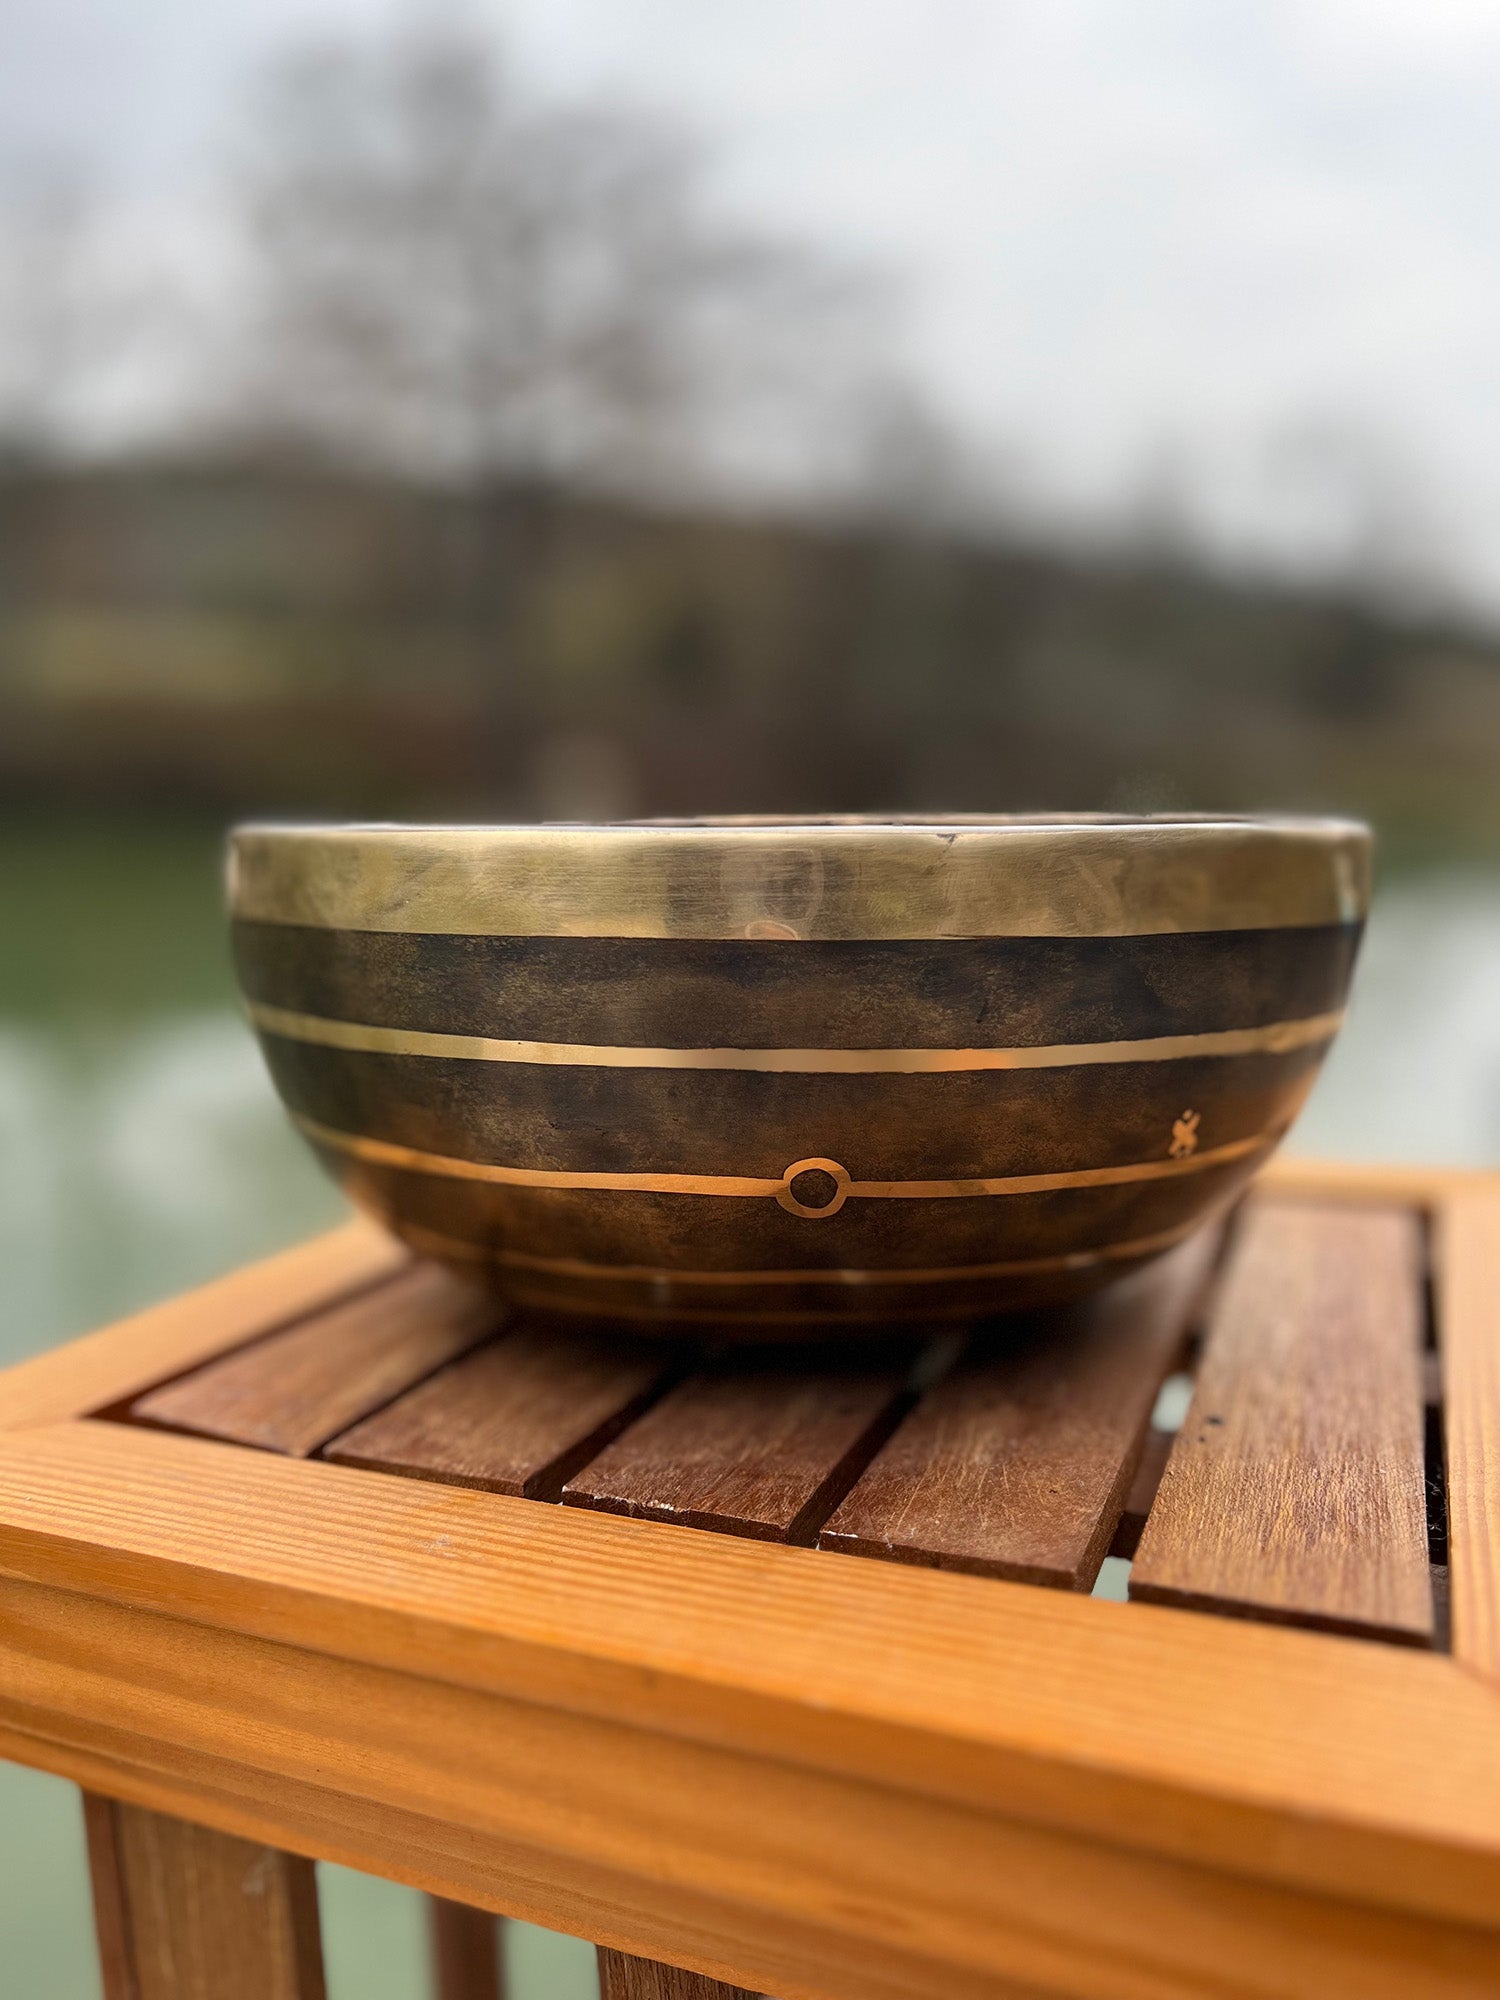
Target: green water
x=141 y=1150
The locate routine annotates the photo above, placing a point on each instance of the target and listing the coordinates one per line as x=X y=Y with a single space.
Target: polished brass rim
x=439 y=1245
x=1275 y=1038
x=791 y=880
x=409 y=1159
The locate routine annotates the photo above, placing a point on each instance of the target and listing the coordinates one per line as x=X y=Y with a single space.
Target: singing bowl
x=776 y=1075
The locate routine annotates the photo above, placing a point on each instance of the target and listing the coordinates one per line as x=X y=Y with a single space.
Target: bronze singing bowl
x=772 y=1074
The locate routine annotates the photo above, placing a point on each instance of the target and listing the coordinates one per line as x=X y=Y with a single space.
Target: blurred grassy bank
x=141 y=1150
x=259 y=637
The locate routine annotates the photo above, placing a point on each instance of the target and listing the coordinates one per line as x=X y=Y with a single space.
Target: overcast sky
x=1242 y=258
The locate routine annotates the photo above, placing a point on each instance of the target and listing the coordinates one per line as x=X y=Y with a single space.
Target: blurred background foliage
x=444 y=432
x=521 y=481
x=299 y=638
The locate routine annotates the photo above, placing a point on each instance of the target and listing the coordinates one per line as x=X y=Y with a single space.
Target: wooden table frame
x=824 y=1779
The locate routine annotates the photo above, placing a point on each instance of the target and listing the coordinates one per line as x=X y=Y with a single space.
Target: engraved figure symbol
x=1184 y=1136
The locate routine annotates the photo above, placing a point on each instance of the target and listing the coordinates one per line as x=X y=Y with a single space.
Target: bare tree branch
x=454 y=278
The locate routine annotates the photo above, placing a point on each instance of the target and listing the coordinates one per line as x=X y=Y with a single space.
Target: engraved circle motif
x=837 y=1174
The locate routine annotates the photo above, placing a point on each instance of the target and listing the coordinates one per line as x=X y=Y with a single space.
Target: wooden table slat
x=1017 y=1463
x=294 y=1390
x=516 y=1417
x=759 y=1448
x=1295 y=1489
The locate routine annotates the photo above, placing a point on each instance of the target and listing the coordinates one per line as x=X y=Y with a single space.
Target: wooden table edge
x=1415 y=1184
x=1162 y=1729
x=1466 y=1284
x=773 y=1849
x=758 y=1943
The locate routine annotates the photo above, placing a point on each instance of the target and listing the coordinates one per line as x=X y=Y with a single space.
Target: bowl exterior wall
x=771 y=1133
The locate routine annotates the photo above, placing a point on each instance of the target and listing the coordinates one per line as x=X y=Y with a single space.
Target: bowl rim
x=796 y=879
x=1295 y=823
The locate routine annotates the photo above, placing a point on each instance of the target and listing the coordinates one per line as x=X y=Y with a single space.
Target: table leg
x=185 y=1913
x=622 y=1977
x=465 y=1949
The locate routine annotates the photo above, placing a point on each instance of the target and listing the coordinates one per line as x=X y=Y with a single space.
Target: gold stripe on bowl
x=1275 y=1038
x=411 y=1160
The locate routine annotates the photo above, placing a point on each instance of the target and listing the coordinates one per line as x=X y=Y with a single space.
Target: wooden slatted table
x=331 y=1559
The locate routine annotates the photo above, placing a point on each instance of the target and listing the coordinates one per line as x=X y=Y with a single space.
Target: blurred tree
x=1365 y=497
x=455 y=278
x=911 y=473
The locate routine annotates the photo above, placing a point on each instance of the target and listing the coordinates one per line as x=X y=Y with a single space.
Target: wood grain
x=464 y=1950
x=622 y=1977
x=774 y=1877
x=1017 y=1463
x=1370 y=1772
x=1468 y=1300
x=760 y=1450
x=517 y=1417
x=111 y=1916
x=120 y=1361
x=294 y=1390
x=185 y=1912
x=1295 y=1490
